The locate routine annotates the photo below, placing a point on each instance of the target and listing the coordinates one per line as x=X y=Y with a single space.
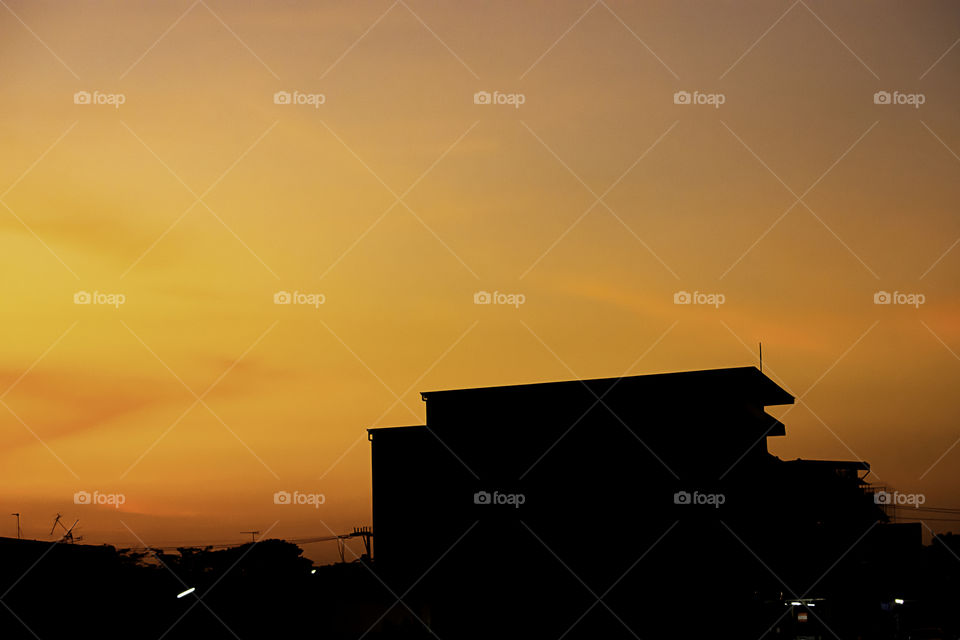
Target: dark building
x=619 y=505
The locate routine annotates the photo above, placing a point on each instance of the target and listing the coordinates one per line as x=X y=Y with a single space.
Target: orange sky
x=597 y=199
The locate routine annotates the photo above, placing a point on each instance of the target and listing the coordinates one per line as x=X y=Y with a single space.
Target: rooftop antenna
x=18 y=524
x=366 y=533
x=68 y=533
x=68 y=536
x=253 y=535
x=761 y=356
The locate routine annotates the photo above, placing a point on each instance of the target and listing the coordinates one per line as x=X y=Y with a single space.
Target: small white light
x=796 y=604
x=898 y=600
x=811 y=604
x=312 y=571
x=187 y=592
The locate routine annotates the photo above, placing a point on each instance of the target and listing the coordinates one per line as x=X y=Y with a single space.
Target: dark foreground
x=268 y=590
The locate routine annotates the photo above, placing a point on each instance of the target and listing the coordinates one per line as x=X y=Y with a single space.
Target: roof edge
x=778 y=393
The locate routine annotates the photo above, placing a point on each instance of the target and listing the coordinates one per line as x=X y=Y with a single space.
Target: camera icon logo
x=81 y=97
x=881 y=97
x=81 y=297
x=281 y=97
x=281 y=497
x=282 y=297
x=681 y=97
x=482 y=97
x=81 y=497
x=681 y=497
x=482 y=297
x=481 y=497
x=882 y=297
x=882 y=497
x=682 y=297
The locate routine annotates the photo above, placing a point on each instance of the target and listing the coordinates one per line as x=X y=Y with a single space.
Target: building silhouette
x=620 y=505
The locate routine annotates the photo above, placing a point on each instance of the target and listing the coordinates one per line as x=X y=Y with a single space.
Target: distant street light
x=187 y=592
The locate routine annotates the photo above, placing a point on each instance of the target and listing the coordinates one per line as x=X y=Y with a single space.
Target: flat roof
x=397 y=428
x=737 y=381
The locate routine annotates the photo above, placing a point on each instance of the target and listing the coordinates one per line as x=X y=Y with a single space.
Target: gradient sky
x=398 y=198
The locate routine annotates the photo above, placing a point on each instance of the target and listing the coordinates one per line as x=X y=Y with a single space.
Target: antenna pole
x=761 y=356
x=18 y=524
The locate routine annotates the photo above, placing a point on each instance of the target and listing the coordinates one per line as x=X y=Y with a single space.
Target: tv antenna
x=253 y=535
x=760 y=344
x=68 y=533
x=18 y=524
x=366 y=533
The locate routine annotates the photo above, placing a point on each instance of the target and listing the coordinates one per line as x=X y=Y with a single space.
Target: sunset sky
x=397 y=199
